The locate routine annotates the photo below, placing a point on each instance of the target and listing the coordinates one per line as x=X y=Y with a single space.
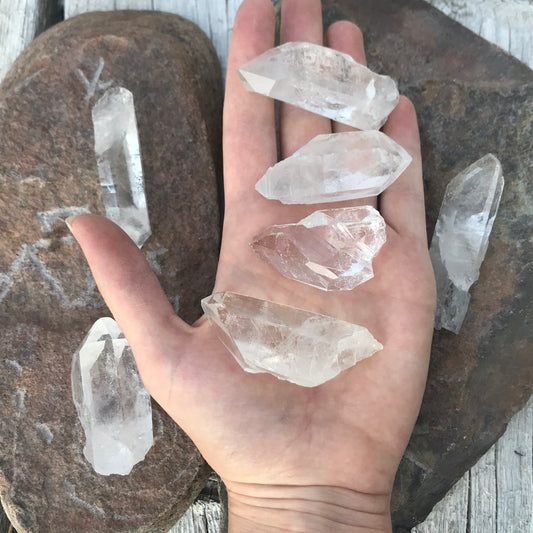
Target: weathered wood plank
x=514 y=475
x=4 y=522
x=450 y=514
x=483 y=494
x=508 y=24
x=20 y=22
x=201 y=517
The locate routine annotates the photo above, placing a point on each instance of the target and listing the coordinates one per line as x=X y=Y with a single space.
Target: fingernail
x=68 y=221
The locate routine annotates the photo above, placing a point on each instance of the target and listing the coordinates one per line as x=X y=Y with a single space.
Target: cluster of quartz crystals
x=119 y=163
x=330 y=249
x=112 y=403
x=292 y=344
x=461 y=237
x=336 y=167
x=324 y=81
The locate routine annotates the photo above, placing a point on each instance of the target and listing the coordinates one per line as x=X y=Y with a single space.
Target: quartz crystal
x=119 y=163
x=113 y=406
x=335 y=167
x=461 y=237
x=292 y=344
x=324 y=81
x=330 y=249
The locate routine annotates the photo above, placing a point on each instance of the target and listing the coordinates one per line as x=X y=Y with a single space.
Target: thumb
x=131 y=291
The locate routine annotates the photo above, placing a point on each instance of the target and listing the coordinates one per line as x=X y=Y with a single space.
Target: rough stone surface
x=48 y=300
x=471 y=99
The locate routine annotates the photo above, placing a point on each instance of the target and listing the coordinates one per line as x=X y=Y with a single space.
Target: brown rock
x=471 y=99
x=48 y=300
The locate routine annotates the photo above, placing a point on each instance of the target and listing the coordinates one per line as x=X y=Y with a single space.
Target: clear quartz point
x=113 y=405
x=119 y=163
x=330 y=249
x=292 y=344
x=335 y=167
x=324 y=81
x=461 y=237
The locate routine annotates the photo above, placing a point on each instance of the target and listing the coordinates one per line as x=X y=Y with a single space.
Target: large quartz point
x=116 y=143
x=292 y=344
x=324 y=81
x=330 y=249
x=461 y=237
x=113 y=406
x=335 y=167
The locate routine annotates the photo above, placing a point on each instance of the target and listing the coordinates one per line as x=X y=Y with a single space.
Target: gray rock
x=48 y=300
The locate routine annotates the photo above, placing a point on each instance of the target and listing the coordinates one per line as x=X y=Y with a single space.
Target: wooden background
x=496 y=495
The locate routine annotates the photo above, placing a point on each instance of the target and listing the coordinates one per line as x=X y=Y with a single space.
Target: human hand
x=292 y=458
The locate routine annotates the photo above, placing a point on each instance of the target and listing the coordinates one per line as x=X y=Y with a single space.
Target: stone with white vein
x=461 y=237
x=330 y=249
x=335 y=167
x=112 y=403
x=324 y=81
x=292 y=344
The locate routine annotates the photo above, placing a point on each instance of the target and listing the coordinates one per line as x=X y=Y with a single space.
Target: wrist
x=310 y=509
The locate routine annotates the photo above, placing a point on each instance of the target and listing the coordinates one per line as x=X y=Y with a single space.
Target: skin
x=293 y=458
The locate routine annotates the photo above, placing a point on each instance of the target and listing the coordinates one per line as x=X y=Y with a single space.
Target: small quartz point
x=119 y=163
x=292 y=344
x=336 y=167
x=112 y=403
x=461 y=237
x=324 y=81
x=330 y=249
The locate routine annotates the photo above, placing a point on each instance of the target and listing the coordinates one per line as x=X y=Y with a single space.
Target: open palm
x=322 y=451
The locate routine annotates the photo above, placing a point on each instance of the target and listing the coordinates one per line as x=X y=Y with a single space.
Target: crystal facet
x=336 y=167
x=330 y=249
x=461 y=237
x=324 y=81
x=113 y=406
x=292 y=344
x=119 y=163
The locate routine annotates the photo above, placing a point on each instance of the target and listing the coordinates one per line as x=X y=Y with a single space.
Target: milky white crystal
x=335 y=167
x=119 y=163
x=330 y=249
x=113 y=405
x=324 y=81
x=292 y=344
x=461 y=237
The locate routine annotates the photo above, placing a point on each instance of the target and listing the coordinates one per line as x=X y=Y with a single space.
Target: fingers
x=129 y=288
x=301 y=20
x=402 y=204
x=249 y=138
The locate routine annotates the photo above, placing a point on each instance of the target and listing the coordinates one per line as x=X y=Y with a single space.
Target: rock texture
x=48 y=300
x=471 y=99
